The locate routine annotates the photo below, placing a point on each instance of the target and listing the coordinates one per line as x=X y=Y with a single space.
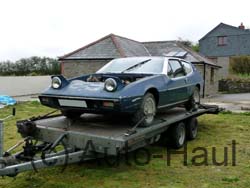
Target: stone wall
x=234 y=86
x=73 y=68
x=224 y=70
x=211 y=82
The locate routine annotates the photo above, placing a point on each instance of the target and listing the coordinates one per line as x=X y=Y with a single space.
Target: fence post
x=1 y=138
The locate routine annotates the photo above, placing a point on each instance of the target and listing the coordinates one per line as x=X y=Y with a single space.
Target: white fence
x=23 y=85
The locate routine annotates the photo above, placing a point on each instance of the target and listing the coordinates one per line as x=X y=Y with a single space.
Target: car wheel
x=191 y=128
x=194 y=102
x=146 y=111
x=177 y=135
x=71 y=114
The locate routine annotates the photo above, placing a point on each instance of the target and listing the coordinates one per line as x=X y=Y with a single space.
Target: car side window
x=187 y=67
x=170 y=71
x=176 y=69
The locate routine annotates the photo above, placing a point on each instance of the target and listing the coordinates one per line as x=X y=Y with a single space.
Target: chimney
x=241 y=26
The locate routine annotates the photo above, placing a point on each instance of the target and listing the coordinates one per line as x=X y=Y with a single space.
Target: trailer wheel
x=71 y=114
x=177 y=135
x=147 y=111
x=194 y=102
x=192 y=128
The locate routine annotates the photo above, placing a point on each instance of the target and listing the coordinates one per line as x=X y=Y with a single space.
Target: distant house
x=93 y=56
x=223 y=42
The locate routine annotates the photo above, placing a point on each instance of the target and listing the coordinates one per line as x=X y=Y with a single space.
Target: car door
x=176 y=87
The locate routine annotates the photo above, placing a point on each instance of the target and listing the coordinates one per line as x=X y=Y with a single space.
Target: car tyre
x=192 y=128
x=177 y=134
x=147 y=111
x=71 y=114
x=194 y=102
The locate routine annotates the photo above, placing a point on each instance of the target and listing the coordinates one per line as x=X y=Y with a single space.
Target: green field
x=214 y=131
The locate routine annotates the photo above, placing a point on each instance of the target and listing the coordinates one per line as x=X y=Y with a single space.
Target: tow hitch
x=35 y=153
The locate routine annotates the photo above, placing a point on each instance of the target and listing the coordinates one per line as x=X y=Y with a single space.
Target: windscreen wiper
x=136 y=65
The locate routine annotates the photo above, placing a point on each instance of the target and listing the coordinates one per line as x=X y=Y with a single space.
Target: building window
x=212 y=75
x=222 y=41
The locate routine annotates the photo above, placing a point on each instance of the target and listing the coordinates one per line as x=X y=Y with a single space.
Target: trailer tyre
x=194 y=102
x=191 y=128
x=147 y=111
x=177 y=135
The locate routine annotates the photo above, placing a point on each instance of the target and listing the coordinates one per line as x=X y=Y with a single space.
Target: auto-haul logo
x=200 y=156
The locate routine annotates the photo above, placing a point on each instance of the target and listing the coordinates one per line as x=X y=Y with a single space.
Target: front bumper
x=92 y=105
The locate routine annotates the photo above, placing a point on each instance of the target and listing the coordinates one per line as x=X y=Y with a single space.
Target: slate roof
x=108 y=47
x=114 y=46
x=161 y=48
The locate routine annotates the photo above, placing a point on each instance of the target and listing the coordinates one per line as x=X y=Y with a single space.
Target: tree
x=190 y=44
x=196 y=47
x=30 y=66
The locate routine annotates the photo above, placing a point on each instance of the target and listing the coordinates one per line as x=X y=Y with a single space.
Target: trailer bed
x=112 y=132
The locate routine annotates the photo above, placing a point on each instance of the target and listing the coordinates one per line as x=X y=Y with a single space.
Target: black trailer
x=93 y=136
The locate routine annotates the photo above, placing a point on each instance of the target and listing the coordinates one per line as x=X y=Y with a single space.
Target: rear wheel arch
x=198 y=86
x=155 y=93
x=144 y=116
x=193 y=103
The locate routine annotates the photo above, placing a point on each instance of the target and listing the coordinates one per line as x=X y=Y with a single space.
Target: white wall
x=23 y=85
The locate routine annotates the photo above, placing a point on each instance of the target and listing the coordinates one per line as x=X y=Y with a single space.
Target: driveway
x=233 y=102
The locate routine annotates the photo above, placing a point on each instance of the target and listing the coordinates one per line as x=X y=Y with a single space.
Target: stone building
x=224 y=42
x=93 y=56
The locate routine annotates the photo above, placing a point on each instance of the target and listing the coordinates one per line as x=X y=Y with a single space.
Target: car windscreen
x=134 y=65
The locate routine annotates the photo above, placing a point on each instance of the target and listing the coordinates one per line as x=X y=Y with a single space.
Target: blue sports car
x=138 y=86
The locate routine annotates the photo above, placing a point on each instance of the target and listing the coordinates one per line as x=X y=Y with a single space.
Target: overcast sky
x=55 y=27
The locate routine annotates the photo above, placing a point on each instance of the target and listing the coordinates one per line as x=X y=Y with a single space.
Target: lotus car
x=136 y=86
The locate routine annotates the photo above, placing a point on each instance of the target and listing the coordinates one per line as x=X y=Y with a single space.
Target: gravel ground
x=233 y=102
